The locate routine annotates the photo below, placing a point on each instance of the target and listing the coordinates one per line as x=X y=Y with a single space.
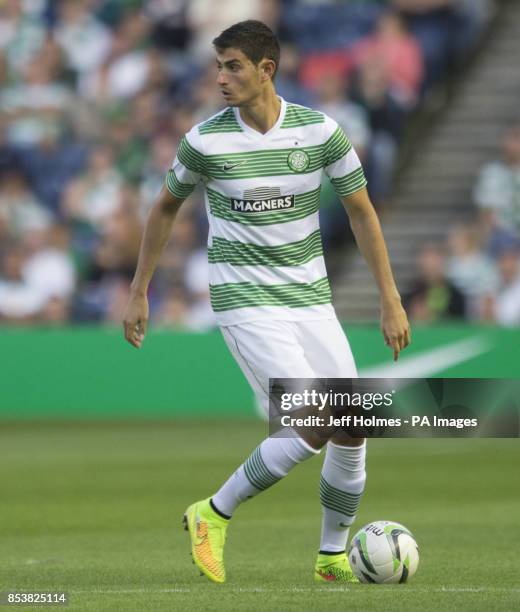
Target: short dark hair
x=256 y=41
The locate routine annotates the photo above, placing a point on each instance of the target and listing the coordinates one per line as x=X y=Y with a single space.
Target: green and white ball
x=383 y=552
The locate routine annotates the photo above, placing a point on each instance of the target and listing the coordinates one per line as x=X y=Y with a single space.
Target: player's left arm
x=369 y=237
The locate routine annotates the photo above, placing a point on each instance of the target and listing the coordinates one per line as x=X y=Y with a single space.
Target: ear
x=267 y=69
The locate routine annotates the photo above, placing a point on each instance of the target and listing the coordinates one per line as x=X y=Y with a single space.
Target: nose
x=221 y=79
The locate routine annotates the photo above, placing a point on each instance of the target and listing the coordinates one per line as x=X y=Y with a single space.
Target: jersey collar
x=252 y=132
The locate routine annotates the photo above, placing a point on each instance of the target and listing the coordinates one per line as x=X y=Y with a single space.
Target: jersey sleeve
x=341 y=163
x=187 y=168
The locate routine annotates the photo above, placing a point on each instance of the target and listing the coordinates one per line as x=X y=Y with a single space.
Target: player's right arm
x=156 y=233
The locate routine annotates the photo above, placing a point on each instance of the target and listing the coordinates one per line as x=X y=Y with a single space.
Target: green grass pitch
x=95 y=510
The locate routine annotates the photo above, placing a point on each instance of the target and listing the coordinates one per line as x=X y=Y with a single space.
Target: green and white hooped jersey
x=262 y=198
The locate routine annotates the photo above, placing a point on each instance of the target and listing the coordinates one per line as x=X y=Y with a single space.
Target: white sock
x=341 y=486
x=266 y=465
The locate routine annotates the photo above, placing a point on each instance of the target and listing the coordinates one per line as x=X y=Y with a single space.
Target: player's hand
x=395 y=327
x=135 y=319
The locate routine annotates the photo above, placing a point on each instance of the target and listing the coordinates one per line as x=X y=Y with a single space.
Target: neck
x=262 y=112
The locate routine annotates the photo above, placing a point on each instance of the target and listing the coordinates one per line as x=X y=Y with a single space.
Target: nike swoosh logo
x=228 y=166
x=428 y=363
x=328 y=577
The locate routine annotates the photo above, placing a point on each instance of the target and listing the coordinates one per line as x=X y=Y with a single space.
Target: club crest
x=298 y=160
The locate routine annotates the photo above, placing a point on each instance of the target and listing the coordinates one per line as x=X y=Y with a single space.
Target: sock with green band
x=266 y=465
x=342 y=484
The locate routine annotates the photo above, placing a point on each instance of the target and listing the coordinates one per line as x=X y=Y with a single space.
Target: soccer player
x=262 y=160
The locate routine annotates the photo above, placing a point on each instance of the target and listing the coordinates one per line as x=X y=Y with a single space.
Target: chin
x=231 y=101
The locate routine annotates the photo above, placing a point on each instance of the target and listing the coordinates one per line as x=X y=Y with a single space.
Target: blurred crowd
x=475 y=275
x=96 y=94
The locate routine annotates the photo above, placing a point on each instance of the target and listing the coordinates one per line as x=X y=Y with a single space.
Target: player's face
x=239 y=80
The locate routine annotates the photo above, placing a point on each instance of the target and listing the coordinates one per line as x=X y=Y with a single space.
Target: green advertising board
x=91 y=372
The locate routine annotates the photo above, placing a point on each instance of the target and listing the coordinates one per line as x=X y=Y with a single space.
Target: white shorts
x=289 y=349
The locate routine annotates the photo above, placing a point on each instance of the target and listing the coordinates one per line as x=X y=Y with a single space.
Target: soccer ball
x=383 y=552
